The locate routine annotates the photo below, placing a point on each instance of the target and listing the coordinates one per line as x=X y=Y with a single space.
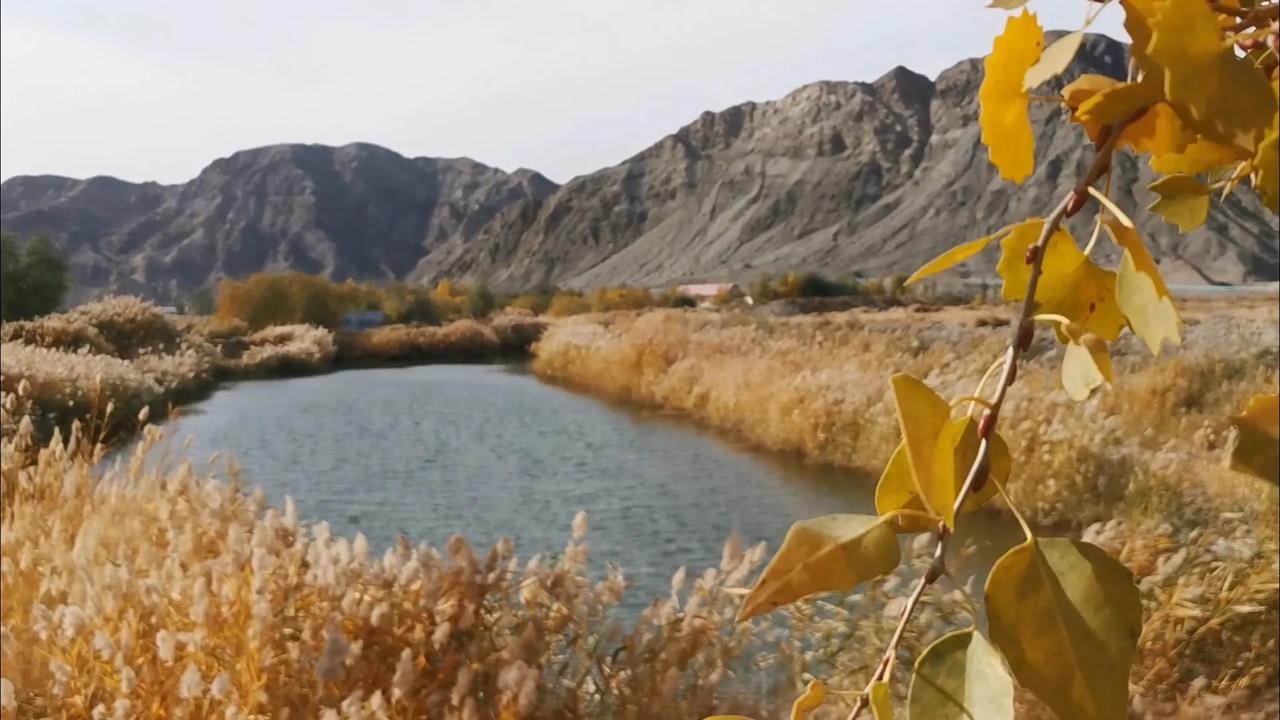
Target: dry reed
x=1138 y=466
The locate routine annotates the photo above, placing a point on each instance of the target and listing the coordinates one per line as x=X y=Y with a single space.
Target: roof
x=704 y=289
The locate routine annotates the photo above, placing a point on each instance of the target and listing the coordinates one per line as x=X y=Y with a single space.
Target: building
x=706 y=293
x=362 y=320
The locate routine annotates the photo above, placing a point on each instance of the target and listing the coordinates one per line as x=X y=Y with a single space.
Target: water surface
x=489 y=452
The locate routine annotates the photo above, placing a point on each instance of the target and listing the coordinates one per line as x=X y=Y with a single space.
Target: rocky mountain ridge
x=842 y=177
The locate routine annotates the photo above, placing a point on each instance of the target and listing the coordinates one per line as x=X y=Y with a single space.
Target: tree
x=479 y=301
x=34 y=278
x=202 y=302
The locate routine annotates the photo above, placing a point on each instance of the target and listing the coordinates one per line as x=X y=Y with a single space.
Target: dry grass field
x=137 y=589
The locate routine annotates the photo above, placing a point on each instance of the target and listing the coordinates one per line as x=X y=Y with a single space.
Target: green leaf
x=1256 y=449
x=831 y=553
x=961 y=677
x=1067 y=617
x=1183 y=201
x=881 y=701
x=1053 y=60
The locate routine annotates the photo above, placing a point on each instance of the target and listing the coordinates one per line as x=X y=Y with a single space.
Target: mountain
x=357 y=211
x=837 y=176
x=841 y=177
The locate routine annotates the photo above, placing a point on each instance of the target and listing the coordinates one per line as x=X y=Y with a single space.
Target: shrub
x=131 y=325
x=33 y=280
x=58 y=332
x=563 y=305
x=286 y=349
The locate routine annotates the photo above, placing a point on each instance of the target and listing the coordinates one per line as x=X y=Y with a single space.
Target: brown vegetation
x=1138 y=468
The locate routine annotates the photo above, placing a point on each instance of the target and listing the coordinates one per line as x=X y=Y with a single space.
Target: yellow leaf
x=952 y=257
x=896 y=491
x=1256 y=449
x=1086 y=364
x=726 y=717
x=1198 y=156
x=1003 y=104
x=1159 y=133
x=1070 y=285
x=831 y=553
x=813 y=695
x=921 y=417
x=881 y=701
x=1219 y=95
x=953 y=456
x=1266 y=172
x=1054 y=60
x=1085 y=87
x=1067 y=617
x=1141 y=292
x=1118 y=103
x=944 y=451
x=1183 y=201
x=1006 y=4
x=961 y=677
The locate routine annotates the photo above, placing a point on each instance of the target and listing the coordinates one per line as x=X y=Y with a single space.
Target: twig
x=981 y=463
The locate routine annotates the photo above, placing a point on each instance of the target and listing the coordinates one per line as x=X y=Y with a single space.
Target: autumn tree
x=1062 y=617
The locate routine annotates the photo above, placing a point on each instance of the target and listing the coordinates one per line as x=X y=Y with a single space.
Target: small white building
x=705 y=291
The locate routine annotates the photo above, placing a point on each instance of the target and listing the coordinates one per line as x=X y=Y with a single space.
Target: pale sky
x=153 y=90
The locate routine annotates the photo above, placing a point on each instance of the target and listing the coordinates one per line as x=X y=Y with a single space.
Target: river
x=491 y=451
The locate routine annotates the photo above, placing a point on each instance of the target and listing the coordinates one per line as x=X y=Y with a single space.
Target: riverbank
x=149 y=587
x=1137 y=469
x=108 y=362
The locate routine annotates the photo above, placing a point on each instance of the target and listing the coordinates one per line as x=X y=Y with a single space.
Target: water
x=493 y=452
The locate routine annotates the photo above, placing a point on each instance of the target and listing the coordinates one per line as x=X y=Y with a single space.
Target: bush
x=33 y=280
x=563 y=305
x=286 y=349
x=131 y=325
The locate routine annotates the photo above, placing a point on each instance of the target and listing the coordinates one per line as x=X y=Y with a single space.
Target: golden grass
x=130 y=591
x=506 y=335
x=144 y=591
x=1138 y=467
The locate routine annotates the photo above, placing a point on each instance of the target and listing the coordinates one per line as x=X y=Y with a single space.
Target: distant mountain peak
x=836 y=176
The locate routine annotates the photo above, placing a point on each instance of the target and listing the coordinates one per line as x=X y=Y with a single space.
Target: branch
x=1022 y=333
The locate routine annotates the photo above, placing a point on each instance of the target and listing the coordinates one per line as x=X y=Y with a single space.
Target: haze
x=155 y=91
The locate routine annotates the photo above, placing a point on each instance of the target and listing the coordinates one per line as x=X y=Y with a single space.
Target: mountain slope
x=840 y=177
x=837 y=176
x=357 y=211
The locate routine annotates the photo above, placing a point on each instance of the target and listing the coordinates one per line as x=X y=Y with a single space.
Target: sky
x=156 y=90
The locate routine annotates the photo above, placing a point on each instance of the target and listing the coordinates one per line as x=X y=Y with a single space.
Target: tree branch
x=1022 y=333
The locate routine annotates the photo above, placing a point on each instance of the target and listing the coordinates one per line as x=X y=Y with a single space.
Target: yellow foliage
x=1183 y=201
x=831 y=553
x=1220 y=95
x=1086 y=365
x=1071 y=284
x=1257 y=443
x=1141 y=292
x=1067 y=617
x=1003 y=102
